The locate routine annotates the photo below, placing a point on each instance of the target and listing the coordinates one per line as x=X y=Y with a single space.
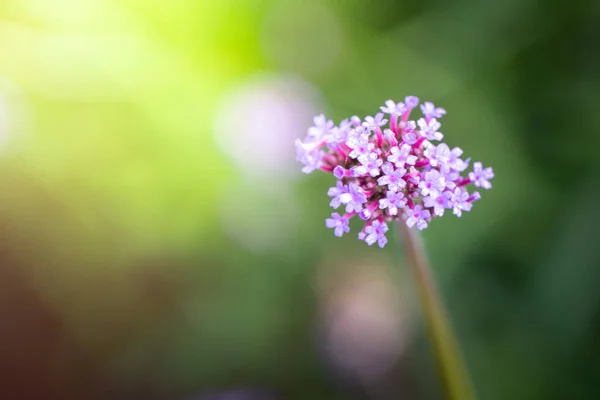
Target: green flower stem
x=450 y=364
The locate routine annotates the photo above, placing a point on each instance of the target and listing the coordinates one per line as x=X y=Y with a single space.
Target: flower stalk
x=449 y=360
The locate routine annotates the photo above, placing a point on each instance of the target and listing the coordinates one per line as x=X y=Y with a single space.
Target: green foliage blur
x=158 y=241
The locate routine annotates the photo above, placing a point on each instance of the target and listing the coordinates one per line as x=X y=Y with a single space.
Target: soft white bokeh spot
x=259 y=220
x=258 y=121
x=366 y=322
x=13 y=114
x=3 y=120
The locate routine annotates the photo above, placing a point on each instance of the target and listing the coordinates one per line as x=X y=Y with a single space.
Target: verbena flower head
x=401 y=172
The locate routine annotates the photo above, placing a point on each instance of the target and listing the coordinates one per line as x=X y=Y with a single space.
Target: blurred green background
x=157 y=240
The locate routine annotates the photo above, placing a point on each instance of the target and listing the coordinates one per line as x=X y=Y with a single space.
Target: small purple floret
x=418 y=216
x=481 y=176
x=376 y=233
x=431 y=111
x=338 y=223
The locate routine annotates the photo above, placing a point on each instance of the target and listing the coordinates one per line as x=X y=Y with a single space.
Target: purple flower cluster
x=390 y=173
